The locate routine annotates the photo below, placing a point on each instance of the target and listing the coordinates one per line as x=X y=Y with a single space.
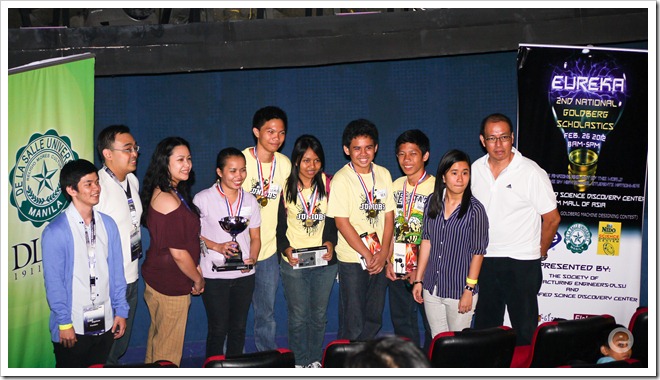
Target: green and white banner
x=50 y=122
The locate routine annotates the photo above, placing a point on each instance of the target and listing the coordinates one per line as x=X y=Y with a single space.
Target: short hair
x=495 y=118
x=359 y=127
x=263 y=115
x=107 y=136
x=413 y=136
x=222 y=157
x=72 y=172
x=389 y=352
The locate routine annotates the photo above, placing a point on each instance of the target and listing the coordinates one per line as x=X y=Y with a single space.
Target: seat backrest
x=485 y=348
x=338 y=351
x=639 y=327
x=279 y=358
x=561 y=342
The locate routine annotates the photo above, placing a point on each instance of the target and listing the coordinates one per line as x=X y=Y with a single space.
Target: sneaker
x=300 y=366
x=314 y=365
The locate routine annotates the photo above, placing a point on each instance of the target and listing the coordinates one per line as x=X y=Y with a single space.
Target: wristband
x=471 y=281
x=418 y=282
x=66 y=327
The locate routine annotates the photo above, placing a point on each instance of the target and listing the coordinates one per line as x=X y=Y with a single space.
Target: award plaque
x=233 y=225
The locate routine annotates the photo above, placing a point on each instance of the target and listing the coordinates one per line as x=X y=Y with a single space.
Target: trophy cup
x=233 y=225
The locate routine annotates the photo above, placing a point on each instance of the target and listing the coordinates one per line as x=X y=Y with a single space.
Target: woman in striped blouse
x=454 y=240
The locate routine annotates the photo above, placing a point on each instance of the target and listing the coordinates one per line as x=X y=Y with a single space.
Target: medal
x=309 y=223
x=263 y=200
x=407 y=208
x=372 y=213
x=308 y=208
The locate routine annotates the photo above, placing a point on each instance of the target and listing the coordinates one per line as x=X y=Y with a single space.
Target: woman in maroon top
x=171 y=269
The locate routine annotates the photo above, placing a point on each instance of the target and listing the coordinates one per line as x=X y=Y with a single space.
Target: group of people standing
x=478 y=231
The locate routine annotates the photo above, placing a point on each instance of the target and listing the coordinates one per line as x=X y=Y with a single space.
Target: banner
x=583 y=117
x=50 y=122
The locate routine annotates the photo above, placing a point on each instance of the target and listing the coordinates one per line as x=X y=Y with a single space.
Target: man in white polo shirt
x=523 y=218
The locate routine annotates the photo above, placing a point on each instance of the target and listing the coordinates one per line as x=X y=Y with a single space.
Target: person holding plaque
x=267 y=170
x=229 y=289
x=362 y=203
x=306 y=237
x=411 y=191
x=170 y=270
x=454 y=241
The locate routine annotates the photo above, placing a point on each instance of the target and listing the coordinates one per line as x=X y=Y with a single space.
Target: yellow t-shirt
x=269 y=212
x=348 y=200
x=299 y=234
x=424 y=189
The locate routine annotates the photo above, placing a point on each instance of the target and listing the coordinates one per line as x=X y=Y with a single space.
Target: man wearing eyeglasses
x=120 y=199
x=523 y=218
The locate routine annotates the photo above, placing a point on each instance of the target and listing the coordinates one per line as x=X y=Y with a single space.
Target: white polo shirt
x=514 y=203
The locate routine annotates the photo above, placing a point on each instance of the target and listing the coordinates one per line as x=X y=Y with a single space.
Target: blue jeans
x=307 y=293
x=120 y=345
x=267 y=276
x=361 y=302
x=227 y=302
x=403 y=310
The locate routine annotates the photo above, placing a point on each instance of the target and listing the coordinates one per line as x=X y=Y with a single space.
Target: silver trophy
x=233 y=225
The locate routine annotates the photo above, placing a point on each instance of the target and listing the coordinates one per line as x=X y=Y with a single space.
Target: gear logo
x=34 y=179
x=577 y=238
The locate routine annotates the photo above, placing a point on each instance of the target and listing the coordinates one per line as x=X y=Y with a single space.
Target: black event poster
x=583 y=117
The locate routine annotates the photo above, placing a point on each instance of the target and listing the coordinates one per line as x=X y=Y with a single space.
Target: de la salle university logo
x=36 y=192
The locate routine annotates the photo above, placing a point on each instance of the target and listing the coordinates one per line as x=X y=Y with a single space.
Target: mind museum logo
x=35 y=177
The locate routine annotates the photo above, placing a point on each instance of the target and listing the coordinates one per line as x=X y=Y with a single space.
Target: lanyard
x=407 y=209
x=181 y=198
x=312 y=201
x=129 y=196
x=370 y=195
x=90 y=241
x=264 y=188
x=218 y=187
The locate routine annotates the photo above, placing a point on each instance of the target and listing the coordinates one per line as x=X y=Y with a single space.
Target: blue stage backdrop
x=445 y=97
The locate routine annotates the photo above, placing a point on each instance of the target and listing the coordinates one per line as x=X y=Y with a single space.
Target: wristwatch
x=468 y=287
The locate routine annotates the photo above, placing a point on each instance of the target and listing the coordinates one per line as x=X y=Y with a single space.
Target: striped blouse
x=453 y=242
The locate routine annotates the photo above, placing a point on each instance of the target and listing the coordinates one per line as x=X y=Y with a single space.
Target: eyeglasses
x=129 y=150
x=502 y=139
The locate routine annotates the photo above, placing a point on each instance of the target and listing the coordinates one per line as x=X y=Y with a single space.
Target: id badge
x=94 y=319
x=136 y=244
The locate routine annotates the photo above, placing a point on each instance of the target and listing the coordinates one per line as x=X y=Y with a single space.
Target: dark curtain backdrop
x=445 y=97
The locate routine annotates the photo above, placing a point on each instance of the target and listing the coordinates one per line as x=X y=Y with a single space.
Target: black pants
x=227 y=303
x=514 y=284
x=88 y=350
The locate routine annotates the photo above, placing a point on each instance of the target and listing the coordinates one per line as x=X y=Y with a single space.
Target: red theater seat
x=559 y=343
x=279 y=358
x=485 y=348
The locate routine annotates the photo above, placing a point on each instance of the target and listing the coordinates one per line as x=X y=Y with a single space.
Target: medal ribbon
x=91 y=258
x=370 y=196
x=218 y=187
x=312 y=201
x=264 y=189
x=407 y=209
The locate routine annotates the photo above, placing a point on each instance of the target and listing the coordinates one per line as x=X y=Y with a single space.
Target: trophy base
x=232 y=265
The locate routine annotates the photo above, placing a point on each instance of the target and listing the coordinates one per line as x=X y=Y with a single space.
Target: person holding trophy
x=231 y=220
x=306 y=238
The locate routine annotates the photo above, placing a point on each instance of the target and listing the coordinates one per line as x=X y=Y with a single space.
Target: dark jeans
x=361 y=302
x=514 y=284
x=403 y=310
x=88 y=350
x=120 y=345
x=227 y=303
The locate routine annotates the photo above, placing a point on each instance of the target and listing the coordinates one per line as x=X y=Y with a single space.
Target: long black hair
x=435 y=202
x=158 y=176
x=301 y=145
